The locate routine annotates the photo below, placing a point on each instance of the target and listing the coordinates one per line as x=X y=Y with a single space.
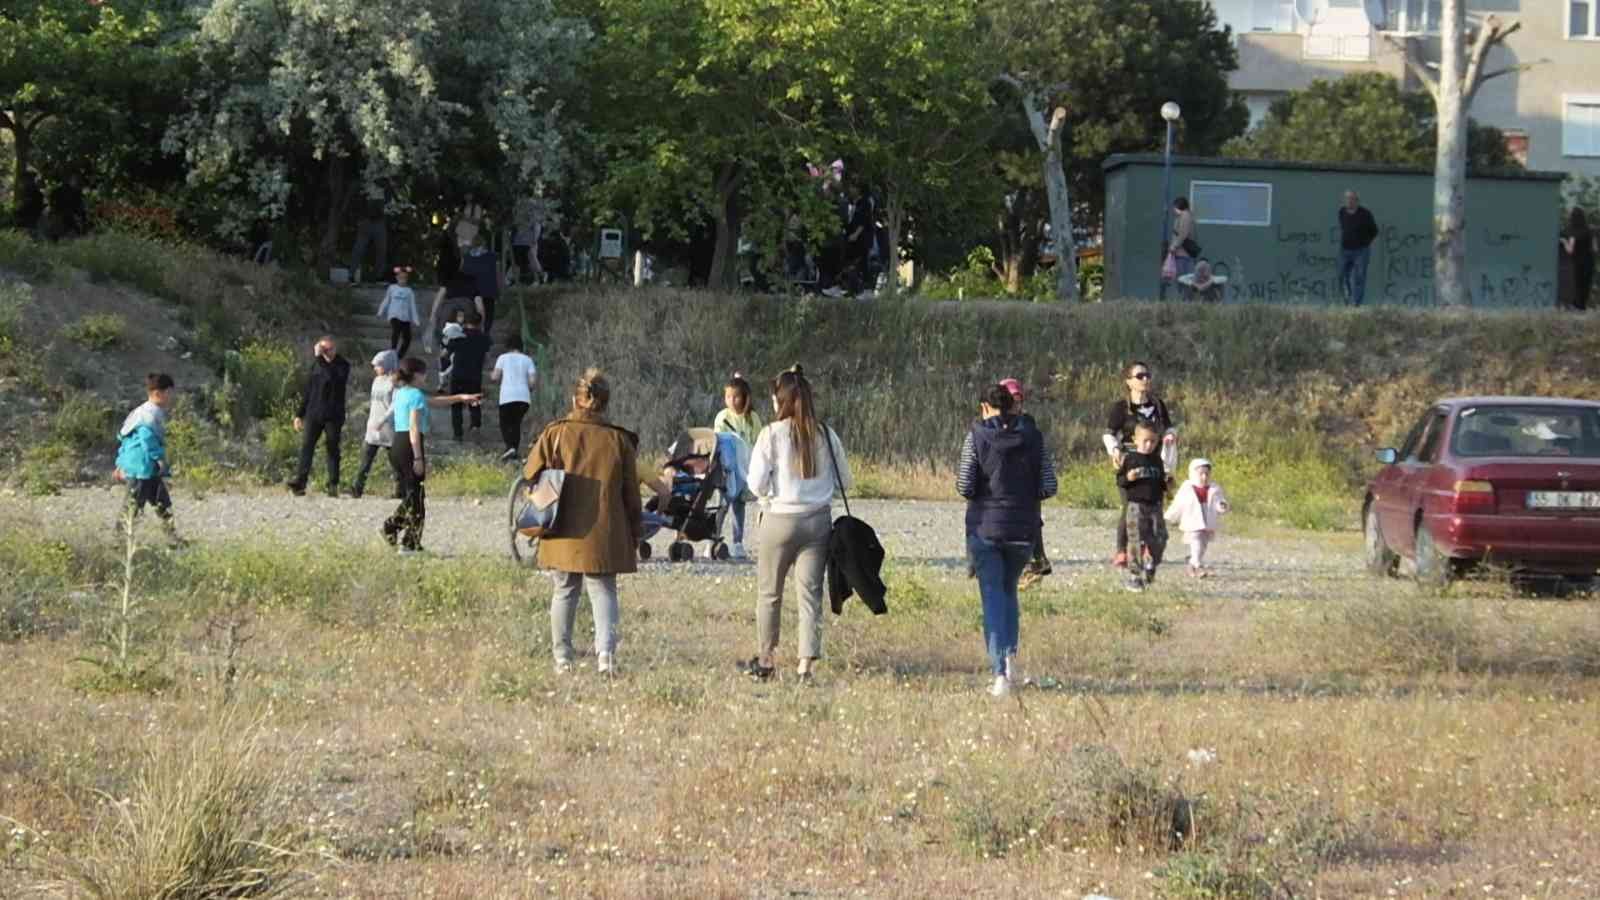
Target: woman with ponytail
x=796 y=466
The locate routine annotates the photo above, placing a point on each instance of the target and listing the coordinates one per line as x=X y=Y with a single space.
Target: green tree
x=67 y=62
x=900 y=88
x=301 y=104
x=1089 y=77
x=1363 y=118
x=697 y=114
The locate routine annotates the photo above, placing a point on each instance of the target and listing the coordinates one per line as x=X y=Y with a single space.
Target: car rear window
x=1527 y=431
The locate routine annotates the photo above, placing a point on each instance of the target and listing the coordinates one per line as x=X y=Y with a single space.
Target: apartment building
x=1549 y=112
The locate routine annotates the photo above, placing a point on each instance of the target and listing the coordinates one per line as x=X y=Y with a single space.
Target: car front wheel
x=1433 y=568
x=1381 y=560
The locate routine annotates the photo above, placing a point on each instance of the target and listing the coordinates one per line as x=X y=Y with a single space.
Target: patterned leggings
x=406 y=523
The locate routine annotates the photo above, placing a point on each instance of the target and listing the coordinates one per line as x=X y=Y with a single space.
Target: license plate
x=1564 y=499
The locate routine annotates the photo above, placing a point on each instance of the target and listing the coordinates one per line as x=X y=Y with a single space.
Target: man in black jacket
x=1357 y=230
x=321 y=413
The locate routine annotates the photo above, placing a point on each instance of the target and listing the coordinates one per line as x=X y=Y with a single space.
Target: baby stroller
x=691 y=497
x=697 y=477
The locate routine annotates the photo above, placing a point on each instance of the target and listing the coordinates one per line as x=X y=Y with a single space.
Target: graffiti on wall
x=1400 y=271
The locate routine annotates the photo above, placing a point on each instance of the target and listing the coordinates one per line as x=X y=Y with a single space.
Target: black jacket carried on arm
x=323 y=399
x=855 y=559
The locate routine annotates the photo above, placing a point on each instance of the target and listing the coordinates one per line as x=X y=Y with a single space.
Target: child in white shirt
x=399 y=306
x=1196 y=509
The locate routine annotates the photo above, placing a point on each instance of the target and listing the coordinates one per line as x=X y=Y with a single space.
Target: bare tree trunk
x=1460 y=75
x=1048 y=134
x=1450 y=164
x=894 y=217
x=723 y=275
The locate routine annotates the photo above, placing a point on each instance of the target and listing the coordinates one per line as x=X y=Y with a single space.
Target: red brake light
x=1473 y=497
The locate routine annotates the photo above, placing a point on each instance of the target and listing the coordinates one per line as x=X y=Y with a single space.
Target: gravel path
x=913 y=532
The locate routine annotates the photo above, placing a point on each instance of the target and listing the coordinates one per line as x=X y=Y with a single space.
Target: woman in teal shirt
x=408 y=453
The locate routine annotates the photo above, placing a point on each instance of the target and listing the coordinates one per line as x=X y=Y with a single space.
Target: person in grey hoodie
x=380 y=417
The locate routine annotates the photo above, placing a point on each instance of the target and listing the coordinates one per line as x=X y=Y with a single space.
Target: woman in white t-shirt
x=796 y=465
x=517 y=375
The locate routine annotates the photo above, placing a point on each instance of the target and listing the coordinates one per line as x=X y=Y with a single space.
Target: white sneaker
x=563 y=666
x=1001 y=687
x=1014 y=671
x=736 y=551
x=509 y=455
x=604 y=665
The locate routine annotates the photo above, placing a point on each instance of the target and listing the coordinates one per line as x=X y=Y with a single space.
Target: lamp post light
x=1170 y=112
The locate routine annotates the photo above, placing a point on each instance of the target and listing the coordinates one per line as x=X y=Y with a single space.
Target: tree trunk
x=1048 y=135
x=22 y=147
x=723 y=274
x=1019 y=241
x=337 y=197
x=1450 y=163
x=894 y=217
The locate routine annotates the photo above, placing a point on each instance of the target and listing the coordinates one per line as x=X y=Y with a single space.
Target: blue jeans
x=998 y=565
x=737 y=508
x=1353 y=273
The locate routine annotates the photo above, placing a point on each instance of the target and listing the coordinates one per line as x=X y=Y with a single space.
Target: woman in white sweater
x=795 y=467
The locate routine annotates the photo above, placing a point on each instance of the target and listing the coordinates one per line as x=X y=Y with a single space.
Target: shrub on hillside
x=20 y=254
x=97 y=331
x=14 y=302
x=267 y=373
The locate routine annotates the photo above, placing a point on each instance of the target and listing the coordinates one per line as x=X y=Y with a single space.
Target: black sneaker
x=392 y=538
x=1135 y=583
x=755 y=669
x=355 y=492
x=299 y=490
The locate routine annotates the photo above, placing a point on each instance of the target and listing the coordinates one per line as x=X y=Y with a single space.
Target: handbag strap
x=827 y=440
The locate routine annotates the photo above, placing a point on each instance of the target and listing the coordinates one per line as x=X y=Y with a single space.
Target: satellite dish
x=1308 y=11
x=1377 y=14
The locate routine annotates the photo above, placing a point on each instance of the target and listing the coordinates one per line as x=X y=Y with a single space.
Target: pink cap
x=1014 y=386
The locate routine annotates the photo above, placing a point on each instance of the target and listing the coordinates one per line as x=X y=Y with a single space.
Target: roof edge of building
x=1120 y=160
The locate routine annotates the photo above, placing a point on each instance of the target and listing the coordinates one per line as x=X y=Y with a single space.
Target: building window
x=1272 y=15
x=1581 y=19
x=1231 y=203
x=1580 y=125
x=1413 y=17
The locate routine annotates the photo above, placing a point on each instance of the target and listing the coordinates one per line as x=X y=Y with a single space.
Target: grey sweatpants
x=799 y=542
x=602 y=600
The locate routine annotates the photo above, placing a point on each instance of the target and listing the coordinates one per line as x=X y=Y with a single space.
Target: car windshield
x=1527 y=431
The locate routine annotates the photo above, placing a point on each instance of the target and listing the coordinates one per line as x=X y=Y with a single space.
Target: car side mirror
x=1388 y=456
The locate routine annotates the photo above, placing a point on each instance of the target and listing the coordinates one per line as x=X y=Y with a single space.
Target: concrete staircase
x=365 y=335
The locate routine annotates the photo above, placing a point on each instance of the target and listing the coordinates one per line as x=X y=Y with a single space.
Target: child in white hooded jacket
x=1196 y=508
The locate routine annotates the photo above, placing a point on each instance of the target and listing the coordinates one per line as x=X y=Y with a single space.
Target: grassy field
x=1288 y=729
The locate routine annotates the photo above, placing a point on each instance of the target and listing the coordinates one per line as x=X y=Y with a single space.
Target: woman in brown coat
x=598 y=526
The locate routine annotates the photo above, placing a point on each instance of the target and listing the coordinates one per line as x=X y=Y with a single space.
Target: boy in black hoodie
x=1144 y=481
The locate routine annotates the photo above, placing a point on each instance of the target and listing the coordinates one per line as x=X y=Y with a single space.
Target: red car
x=1514 y=481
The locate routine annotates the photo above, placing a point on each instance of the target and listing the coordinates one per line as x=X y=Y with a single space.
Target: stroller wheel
x=644 y=549
x=719 y=551
x=680 y=551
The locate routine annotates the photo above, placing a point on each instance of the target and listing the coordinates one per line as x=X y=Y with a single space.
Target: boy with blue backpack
x=142 y=455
